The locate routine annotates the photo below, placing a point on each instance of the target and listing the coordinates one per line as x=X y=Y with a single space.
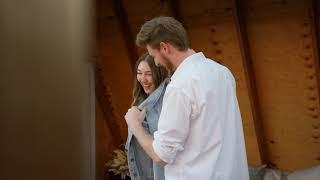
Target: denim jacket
x=141 y=166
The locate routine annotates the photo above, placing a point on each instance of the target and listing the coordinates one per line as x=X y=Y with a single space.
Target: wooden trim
x=121 y=14
x=240 y=22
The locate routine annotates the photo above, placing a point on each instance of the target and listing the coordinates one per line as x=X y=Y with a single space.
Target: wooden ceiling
x=271 y=46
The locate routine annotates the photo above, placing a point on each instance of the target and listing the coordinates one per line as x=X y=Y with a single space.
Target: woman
x=147 y=78
x=149 y=87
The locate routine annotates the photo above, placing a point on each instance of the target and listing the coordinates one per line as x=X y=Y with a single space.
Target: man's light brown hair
x=163 y=29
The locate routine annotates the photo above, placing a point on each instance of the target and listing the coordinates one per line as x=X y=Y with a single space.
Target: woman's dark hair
x=158 y=75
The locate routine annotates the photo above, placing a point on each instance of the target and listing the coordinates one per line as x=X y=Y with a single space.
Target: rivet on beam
x=310 y=77
x=313 y=98
x=311 y=87
x=218 y=51
x=307 y=58
x=311 y=108
x=315 y=136
x=315 y=126
x=305 y=35
x=309 y=66
x=215 y=43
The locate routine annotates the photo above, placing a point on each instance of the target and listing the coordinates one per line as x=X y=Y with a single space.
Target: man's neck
x=181 y=56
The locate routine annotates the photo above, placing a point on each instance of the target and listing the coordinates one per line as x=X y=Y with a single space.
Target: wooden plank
x=250 y=78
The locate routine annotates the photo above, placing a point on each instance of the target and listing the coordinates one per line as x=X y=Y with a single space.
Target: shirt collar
x=186 y=61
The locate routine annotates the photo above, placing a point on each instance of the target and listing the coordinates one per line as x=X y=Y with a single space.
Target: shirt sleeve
x=173 y=126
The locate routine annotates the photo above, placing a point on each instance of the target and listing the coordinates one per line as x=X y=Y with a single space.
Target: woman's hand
x=134 y=117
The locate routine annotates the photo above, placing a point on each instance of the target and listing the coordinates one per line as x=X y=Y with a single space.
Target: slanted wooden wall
x=271 y=46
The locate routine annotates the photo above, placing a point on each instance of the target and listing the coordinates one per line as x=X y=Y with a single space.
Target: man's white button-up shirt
x=200 y=132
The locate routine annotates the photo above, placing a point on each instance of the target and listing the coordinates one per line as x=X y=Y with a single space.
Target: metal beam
x=175 y=10
x=121 y=15
x=104 y=100
x=240 y=23
x=315 y=27
x=102 y=90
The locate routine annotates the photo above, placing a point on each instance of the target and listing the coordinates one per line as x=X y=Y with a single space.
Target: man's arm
x=134 y=120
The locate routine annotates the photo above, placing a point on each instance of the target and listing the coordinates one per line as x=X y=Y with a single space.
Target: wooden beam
x=315 y=27
x=240 y=23
x=121 y=15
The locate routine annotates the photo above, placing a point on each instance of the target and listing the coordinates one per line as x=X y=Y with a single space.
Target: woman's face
x=145 y=78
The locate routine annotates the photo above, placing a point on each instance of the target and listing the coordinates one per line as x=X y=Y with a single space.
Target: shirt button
x=131 y=159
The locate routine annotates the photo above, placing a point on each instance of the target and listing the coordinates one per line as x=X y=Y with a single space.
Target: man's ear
x=164 y=47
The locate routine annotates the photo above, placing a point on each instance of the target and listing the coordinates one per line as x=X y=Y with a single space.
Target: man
x=200 y=134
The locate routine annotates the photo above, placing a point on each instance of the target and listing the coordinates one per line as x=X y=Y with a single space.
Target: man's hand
x=134 y=117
